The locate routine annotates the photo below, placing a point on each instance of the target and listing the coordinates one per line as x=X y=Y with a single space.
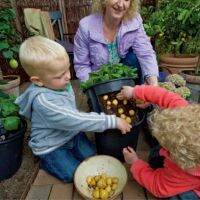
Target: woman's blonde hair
x=99 y=7
x=178 y=130
x=37 y=55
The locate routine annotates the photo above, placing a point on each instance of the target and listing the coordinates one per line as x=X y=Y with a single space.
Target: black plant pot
x=11 y=152
x=111 y=142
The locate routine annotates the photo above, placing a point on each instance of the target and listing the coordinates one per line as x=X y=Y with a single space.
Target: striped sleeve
x=66 y=118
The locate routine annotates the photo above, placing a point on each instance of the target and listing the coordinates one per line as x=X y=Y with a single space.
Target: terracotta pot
x=175 y=64
x=12 y=86
x=190 y=77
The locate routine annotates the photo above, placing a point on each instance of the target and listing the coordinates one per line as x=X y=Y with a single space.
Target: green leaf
x=3 y=45
x=8 y=54
x=11 y=123
x=15 y=48
x=109 y=72
x=8 y=109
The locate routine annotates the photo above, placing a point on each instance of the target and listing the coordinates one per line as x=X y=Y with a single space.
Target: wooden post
x=17 y=21
x=64 y=18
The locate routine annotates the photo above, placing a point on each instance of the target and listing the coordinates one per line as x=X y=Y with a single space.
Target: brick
x=61 y=192
x=44 y=178
x=38 y=192
x=133 y=191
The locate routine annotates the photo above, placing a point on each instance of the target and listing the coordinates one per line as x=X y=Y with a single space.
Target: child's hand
x=123 y=126
x=125 y=93
x=143 y=105
x=130 y=155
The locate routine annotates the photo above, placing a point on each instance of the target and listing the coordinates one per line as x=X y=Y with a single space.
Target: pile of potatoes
x=122 y=108
x=102 y=186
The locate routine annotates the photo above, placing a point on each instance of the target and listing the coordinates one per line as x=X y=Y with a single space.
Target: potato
x=138 y=101
x=120 y=110
x=128 y=120
x=108 y=188
x=114 y=186
x=96 y=194
x=96 y=178
x=102 y=186
x=131 y=112
x=105 y=97
x=108 y=103
x=103 y=194
x=93 y=182
x=115 y=180
x=123 y=116
x=101 y=183
x=115 y=102
x=108 y=107
x=109 y=181
x=88 y=180
x=125 y=102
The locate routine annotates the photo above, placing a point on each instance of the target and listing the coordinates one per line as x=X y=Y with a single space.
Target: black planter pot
x=11 y=153
x=111 y=142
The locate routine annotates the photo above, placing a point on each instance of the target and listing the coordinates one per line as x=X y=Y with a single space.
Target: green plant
x=176 y=26
x=151 y=27
x=9 y=113
x=9 y=38
x=109 y=72
x=176 y=83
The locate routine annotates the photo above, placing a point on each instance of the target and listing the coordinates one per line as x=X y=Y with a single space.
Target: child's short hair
x=178 y=130
x=38 y=53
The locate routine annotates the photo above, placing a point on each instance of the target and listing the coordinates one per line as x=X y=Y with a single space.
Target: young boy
x=56 y=124
x=177 y=128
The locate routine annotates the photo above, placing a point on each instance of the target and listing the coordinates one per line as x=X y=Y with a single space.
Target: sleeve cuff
x=111 y=122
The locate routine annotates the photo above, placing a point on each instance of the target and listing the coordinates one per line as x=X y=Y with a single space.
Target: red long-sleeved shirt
x=170 y=180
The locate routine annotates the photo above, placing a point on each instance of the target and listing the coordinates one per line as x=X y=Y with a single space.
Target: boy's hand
x=125 y=93
x=123 y=126
x=130 y=155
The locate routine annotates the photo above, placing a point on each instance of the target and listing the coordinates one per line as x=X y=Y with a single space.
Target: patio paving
x=46 y=187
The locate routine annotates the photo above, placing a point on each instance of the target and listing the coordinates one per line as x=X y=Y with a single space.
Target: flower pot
x=11 y=153
x=11 y=86
x=112 y=142
x=175 y=64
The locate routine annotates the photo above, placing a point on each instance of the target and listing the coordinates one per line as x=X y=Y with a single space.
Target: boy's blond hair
x=99 y=7
x=178 y=130
x=37 y=55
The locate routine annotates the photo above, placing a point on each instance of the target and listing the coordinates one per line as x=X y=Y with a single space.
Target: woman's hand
x=125 y=93
x=151 y=80
x=130 y=155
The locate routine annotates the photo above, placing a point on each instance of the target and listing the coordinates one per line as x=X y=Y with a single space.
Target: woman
x=114 y=33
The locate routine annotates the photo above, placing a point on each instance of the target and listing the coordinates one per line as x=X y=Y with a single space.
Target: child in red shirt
x=177 y=128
